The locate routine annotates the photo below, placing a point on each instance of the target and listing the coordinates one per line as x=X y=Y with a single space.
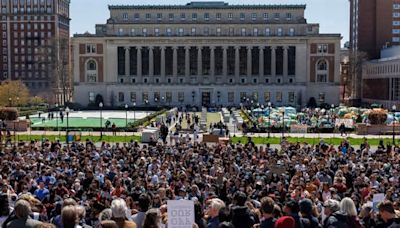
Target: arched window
x=91 y=65
x=322 y=65
x=91 y=71
x=322 y=71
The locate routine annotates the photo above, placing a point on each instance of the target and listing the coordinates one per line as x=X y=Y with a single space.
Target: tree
x=356 y=59
x=312 y=103
x=13 y=93
x=98 y=99
x=36 y=100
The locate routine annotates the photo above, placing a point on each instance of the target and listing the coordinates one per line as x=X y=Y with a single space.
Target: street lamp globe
x=126 y=106
x=100 y=104
x=67 y=110
x=269 y=104
x=394 y=107
x=134 y=104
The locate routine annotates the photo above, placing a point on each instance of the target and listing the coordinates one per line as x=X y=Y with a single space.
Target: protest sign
x=180 y=213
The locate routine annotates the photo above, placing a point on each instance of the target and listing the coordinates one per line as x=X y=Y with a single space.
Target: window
x=243 y=96
x=145 y=97
x=218 y=16
x=321 y=97
x=180 y=31
x=159 y=16
x=265 y=15
x=396 y=14
x=255 y=80
x=322 y=71
x=183 y=16
x=91 y=97
x=230 y=16
x=396 y=31
x=90 y=48
x=137 y=16
x=242 y=16
x=278 y=96
x=206 y=16
x=181 y=96
x=291 y=31
x=288 y=16
x=242 y=80
x=396 y=39
x=169 y=31
x=218 y=31
x=121 y=97
x=91 y=65
x=194 y=16
x=280 y=33
x=322 y=48
x=396 y=23
x=231 y=97
x=291 y=97
x=253 y=16
x=171 y=16
x=125 y=16
x=144 y=31
x=277 y=16
x=231 y=31
x=133 y=32
x=193 y=31
x=156 y=31
x=148 y=16
x=396 y=6
x=267 y=96
x=243 y=31
x=255 y=31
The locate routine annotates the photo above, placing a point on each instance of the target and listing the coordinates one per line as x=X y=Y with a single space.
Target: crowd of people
x=47 y=184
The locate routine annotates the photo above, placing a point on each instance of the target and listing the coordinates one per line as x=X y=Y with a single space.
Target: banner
x=180 y=213
x=297 y=128
x=348 y=123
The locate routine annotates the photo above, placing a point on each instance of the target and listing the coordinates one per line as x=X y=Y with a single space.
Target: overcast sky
x=332 y=15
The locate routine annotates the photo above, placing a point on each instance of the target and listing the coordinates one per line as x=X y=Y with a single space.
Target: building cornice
x=203 y=6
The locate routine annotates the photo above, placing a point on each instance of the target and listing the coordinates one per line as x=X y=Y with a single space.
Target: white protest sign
x=180 y=213
x=348 y=123
x=376 y=199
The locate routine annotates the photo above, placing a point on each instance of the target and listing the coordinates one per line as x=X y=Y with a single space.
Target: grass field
x=76 y=122
x=313 y=141
x=212 y=117
x=257 y=140
x=105 y=138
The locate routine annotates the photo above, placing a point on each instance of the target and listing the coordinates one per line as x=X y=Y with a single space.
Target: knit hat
x=285 y=222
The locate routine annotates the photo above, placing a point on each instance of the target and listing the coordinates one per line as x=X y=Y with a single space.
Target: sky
x=332 y=15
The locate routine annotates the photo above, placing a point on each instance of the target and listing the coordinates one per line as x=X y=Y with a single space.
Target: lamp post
x=146 y=102
x=134 y=113
x=10 y=101
x=394 y=121
x=17 y=104
x=58 y=130
x=269 y=119
x=101 y=119
x=283 y=123
x=67 y=113
x=126 y=115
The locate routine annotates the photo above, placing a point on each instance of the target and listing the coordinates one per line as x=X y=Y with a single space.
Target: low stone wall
x=379 y=129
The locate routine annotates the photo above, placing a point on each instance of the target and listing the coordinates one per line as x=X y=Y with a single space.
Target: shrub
x=377 y=116
x=8 y=113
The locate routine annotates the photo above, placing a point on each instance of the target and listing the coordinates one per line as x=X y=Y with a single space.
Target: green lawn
x=212 y=117
x=105 y=138
x=75 y=122
x=334 y=141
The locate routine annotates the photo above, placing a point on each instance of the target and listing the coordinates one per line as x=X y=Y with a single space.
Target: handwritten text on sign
x=180 y=213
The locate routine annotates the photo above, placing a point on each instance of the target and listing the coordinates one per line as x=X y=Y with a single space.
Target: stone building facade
x=205 y=54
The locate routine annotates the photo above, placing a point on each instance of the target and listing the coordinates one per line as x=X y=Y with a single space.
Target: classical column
x=139 y=63
x=212 y=64
x=127 y=63
x=151 y=61
x=175 y=61
x=285 y=61
x=249 y=65
x=237 y=62
x=261 y=61
x=187 y=62
x=273 y=61
x=199 y=62
x=225 y=62
x=162 y=72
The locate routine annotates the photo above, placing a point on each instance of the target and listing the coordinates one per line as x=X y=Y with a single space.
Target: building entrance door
x=205 y=99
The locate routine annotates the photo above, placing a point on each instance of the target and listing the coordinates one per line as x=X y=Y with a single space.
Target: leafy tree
x=36 y=100
x=312 y=103
x=13 y=93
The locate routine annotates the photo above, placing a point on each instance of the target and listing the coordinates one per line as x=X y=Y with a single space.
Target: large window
x=322 y=71
x=133 y=97
x=92 y=97
x=322 y=48
x=121 y=97
x=278 y=96
x=91 y=71
x=267 y=96
x=231 y=97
